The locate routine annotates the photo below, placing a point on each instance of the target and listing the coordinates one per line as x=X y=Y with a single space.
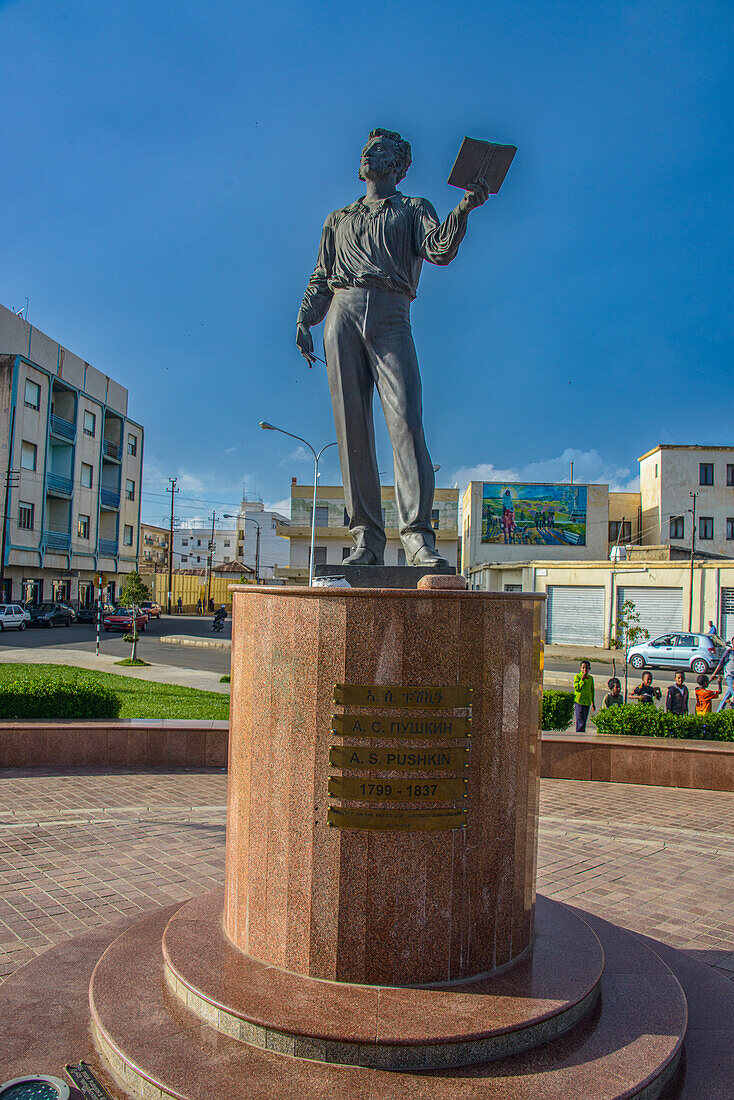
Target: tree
x=132 y=594
x=629 y=633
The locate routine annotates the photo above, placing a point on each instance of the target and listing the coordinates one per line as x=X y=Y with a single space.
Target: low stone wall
x=135 y=743
x=655 y=761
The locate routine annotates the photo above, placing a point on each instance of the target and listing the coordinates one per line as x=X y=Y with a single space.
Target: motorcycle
x=218 y=624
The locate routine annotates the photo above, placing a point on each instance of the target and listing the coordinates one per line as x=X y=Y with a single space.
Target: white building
x=669 y=474
x=191 y=546
x=75 y=460
x=256 y=525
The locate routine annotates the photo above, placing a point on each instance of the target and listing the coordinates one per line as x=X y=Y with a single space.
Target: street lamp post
x=249 y=519
x=316 y=457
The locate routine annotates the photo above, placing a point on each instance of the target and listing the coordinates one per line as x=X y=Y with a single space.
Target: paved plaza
x=79 y=850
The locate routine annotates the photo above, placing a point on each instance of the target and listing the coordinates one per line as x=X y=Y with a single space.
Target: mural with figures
x=534 y=515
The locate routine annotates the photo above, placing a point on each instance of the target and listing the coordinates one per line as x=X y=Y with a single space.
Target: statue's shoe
x=427 y=557
x=362 y=555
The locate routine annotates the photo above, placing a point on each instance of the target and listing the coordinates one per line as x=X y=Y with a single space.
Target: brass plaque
x=377 y=725
x=400 y=695
x=396 y=760
x=408 y=789
x=402 y=820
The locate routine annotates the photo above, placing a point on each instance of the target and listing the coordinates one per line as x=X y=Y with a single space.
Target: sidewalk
x=80 y=658
x=577 y=652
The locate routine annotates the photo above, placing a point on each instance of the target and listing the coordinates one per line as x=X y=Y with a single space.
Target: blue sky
x=167 y=169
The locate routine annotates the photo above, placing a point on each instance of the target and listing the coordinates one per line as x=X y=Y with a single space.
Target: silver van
x=697 y=652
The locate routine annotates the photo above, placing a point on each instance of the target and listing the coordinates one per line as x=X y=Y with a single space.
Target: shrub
x=49 y=697
x=557 y=709
x=644 y=720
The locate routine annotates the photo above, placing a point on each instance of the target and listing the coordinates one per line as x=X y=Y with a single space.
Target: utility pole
x=257 y=556
x=693 y=546
x=209 y=563
x=172 y=490
x=11 y=480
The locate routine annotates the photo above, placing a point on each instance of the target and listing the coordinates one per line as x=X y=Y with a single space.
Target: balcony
x=59 y=486
x=108 y=547
x=63 y=429
x=111 y=450
x=109 y=499
x=57 y=540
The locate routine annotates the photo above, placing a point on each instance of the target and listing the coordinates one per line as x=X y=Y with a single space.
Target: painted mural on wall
x=534 y=515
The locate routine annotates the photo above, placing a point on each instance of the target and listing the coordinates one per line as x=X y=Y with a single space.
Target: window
x=686 y=641
x=28 y=452
x=83 y=527
x=226 y=542
x=32 y=394
x=184 y=542
x=705 y=473
x=198 y=542
x=435 y=518
x=656 y=469
x=729 y=474
x=401 y=556
x=89 y=422
x=620 y=530
x=677 y=525
x=346 y=551
x=322 y=515
x=127 y=535
x=132 y=444
x=729 y=529
x=129 y=489
x=86 y=476
x=184 y=559
x=25 y=516
x=706 y=527
x=319 y=555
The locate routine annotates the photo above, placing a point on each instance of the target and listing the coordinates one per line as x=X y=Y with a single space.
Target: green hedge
x=644 y=720
x=50 y=697
x=557 y=709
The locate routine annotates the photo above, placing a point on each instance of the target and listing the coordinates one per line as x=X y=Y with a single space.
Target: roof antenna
x=23 y=312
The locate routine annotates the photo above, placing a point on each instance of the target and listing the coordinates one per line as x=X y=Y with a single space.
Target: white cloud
x=299 y=454
x=588 y=468
x=283 y=506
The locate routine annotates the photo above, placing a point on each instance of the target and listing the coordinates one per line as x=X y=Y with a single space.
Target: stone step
x=154 y=1047
x=540 y=997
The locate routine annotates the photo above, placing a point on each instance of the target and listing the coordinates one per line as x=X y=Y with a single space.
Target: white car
x=13 y=617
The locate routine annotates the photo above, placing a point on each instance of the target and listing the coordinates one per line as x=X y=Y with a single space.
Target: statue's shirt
x=379 y=244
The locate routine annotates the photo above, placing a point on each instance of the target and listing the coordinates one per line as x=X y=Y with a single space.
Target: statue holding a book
x=366 y=276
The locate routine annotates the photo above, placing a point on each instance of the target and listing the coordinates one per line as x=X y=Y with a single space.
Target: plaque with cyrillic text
x=408 y=789
x=377 y=725
x=363 y=758
x=401 y=695
x=399 y=820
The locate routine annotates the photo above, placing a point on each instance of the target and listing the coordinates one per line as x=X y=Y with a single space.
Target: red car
x=122 y=620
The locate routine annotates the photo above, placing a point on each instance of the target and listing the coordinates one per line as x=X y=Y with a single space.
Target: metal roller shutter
x=727 y=613
x=575 y=615
x=660 y=609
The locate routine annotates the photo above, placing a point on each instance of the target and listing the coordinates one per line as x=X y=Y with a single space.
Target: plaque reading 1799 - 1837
x=401 y=695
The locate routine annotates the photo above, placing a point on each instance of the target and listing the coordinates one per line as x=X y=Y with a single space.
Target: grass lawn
x=140 y=698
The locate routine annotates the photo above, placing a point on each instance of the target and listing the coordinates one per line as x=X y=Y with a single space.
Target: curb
x=200 y=643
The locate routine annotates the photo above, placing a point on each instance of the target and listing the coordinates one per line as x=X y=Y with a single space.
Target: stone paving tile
x=77 y=850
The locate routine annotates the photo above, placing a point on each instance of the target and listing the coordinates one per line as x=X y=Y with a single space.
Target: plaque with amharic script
x=377 y=725
x=408 y=789
x=396 y=760
x=401 y=820
x=400 y=695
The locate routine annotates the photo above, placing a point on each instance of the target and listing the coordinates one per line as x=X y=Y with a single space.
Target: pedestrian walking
x=583 y=695
x=725 y=669
x=614 y=697
x=646 y=692
x=704 y=695
x=676 y=701
x=199 y=606
x=711 y=629
x=179 y=605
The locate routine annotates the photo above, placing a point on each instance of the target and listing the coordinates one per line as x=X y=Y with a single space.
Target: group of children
x=676 y=700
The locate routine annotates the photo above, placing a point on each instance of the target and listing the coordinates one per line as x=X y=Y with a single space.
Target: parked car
x=13 y=617
x=151 y=609
x=70 y=609
x=51 y=614
x=122 y=619
x=88 y=614
x=697 y=652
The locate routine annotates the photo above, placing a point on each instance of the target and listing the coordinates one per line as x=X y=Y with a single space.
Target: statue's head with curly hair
x=385 y=152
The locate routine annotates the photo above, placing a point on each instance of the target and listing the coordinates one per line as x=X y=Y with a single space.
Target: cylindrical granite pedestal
x=441 y=884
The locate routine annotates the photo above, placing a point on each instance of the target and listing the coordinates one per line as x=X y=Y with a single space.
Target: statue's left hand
x=475 y=195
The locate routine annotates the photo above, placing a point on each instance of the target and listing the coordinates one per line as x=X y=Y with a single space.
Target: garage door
x=727 y=613
x=660 y=609
x=575 y=615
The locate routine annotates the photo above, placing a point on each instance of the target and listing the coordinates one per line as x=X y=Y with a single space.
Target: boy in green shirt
x=583 y=695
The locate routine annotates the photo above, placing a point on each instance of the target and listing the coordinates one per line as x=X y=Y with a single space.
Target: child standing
x=645 y=691
x=614 y=698
x=676 y=701
x=583 y=695
x=704 y=695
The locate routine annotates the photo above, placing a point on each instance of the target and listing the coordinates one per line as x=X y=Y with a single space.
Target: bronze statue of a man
x=365 y=278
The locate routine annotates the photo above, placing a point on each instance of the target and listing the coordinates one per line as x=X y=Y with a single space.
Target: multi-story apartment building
x=75 y=463
x=333 y=542
x=153 y=548
x=669 y=474
x=191 y=546
x=259 y=544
